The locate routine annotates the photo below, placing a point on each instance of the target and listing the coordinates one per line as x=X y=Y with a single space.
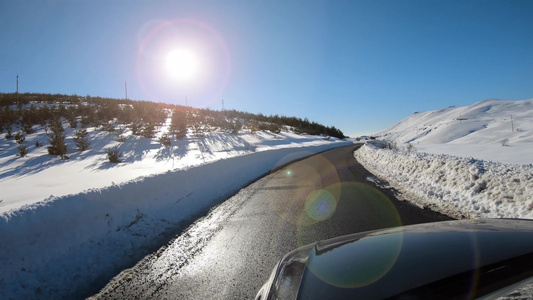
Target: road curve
x=229 y=253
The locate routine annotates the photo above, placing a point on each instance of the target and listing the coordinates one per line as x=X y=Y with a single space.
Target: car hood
x=443 y=260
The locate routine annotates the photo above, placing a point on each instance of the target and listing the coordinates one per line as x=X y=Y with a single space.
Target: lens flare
x=367 y=203
x=320 y=205
x=309 y=180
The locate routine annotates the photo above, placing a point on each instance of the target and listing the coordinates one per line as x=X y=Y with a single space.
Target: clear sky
x=361 y=66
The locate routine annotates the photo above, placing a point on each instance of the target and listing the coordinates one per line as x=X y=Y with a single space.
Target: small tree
x=196 y=119
x=236 y=127
x=274 y=128
x=136 y=128
x=57 y=139
x=253 y=126
x=81 y=140
x=28 y=128
x=19 y=137
x=178 y=125
x=71 y=118
x=114 y=155
x=165 y=140
x=23 y=150
x=108 y=126
x=149 y=130
x=120 y=134
x=9 y=134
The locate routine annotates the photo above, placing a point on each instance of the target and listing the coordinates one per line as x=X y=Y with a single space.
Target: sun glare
x=182 y=65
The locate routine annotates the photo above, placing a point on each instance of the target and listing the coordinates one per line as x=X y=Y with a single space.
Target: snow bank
x=67 y=246
x=27 y=180
x=459 y=187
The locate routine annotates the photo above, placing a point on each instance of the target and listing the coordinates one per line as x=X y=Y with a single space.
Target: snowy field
x=67 y=226
x=467 y=162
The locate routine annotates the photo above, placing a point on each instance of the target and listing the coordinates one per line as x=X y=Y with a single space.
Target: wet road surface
x=230 y=253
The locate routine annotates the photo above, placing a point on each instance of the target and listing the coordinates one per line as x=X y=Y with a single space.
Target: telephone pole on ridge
x=18 y=91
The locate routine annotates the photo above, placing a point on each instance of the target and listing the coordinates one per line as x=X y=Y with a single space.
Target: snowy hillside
x=467 y=162
x=493 y=130
x=26 y=180
x=68 y=225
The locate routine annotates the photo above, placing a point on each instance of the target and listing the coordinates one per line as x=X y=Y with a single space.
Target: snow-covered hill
x=30 y=179
x=493 y=130
x=467 y=162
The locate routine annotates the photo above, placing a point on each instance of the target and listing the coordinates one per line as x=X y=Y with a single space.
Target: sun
x=182 y=65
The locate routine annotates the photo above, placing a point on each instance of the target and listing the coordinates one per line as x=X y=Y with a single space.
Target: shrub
x=19 y=137
x=114 y=155
x=136 y=128
x=28 y=128
x=120 y=134
x=9 y=134
x=149 y=130
x=178 y=126
x=165 y=140
x=57 y=140
x=108 y=126
x=253 y=126
x=274 y=128
x=81 y=140
x=23 y=150
x=236 y=127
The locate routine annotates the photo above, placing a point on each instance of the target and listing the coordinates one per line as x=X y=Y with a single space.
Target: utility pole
x=512 y=124
x=222 y=104
x=18 y=91
x=126 y=89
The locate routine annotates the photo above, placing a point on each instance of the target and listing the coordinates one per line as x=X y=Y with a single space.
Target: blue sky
x=361 y=66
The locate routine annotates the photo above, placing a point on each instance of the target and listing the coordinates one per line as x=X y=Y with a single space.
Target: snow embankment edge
x=462 y=188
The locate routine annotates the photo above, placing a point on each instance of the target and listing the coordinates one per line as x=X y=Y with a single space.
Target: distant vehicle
x=470 y=259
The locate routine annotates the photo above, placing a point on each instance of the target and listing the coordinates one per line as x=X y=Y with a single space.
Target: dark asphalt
x=230 y=253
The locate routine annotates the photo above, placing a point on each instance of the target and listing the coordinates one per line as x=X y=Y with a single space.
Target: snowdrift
x=456 y=186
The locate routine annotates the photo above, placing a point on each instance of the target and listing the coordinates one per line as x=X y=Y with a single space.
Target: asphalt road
x=230 y=253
